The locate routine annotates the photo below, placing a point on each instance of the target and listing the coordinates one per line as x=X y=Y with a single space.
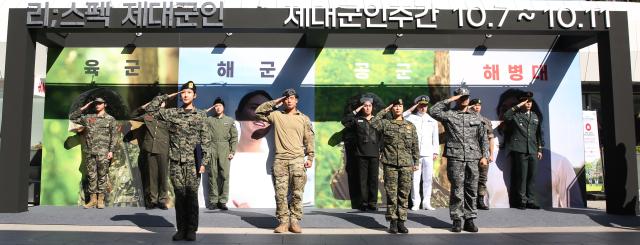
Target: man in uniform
x=465 y=146
x=483 y=169
x=524 y=143
x=187 y=129
x=368 y=151
x=293 y=140
x=400 y=156
x=101 y=131
x=427 y=129
x=224 y=138
x=155 y=150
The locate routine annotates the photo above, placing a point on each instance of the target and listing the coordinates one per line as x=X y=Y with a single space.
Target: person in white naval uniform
x=427 y=129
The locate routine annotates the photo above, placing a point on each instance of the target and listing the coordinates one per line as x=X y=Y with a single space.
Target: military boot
x=457 y=226
x=481 y=204
x=190 y=236
x=402 y=228
x=179 y=236
x=101 y=201
x=393 y=227
x=470 y=226
x=282 y=228
x=92 y=203
x=295 y=226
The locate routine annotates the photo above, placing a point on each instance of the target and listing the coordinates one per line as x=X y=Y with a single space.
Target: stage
x=64 y=225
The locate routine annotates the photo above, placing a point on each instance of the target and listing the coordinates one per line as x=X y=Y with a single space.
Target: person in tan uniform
x=293 y=141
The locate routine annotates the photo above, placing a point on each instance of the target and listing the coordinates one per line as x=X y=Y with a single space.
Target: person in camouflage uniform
x=101 y=131
x=465 y=145
x=155 y=165
x=483 y=169
x=224 y=138
x=187 y=129
x=293 y=140
x=400 y=157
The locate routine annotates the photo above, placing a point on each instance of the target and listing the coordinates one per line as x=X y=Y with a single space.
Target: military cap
x=218 y=101
x=397 y=102
x=475 y=101
x=365 y=98
x=290 y=92
x=462 y=91
x=99 y=100
x=189 y=85
x=422 y=99
x=526 y=96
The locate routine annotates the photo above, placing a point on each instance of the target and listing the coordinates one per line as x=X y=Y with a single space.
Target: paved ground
x=70 y=225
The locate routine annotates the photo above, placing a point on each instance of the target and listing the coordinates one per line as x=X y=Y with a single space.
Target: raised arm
x=439 y=110
x=378 y=121
x=263 y=112
x=76 y=116
x=511 y=112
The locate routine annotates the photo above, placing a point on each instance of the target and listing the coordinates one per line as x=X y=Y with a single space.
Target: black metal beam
x=616 y=91
x=16 y=115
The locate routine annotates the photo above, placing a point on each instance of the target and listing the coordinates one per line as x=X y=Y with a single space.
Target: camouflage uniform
x=101 y=138
x=224 y=138
x=186 y=130
x=400 y=153
x=293 y=140
x=466 y=143
x=484 y=169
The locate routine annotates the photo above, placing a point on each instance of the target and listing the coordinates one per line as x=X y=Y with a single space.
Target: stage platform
x=65 y=225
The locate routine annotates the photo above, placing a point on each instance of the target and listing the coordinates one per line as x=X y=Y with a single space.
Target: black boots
x=223 y=206
x=393 y=227
x=481 y=204
x=190 y=236
x=179 y=236
x=402 y=228
x=457 y=226
x=470 y=226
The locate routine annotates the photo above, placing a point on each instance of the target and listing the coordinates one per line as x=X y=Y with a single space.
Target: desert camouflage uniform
x=293 y=140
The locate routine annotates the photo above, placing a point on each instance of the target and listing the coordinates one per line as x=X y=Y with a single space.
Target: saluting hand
x=455 y=97
x=280 y=101
x=388 y=107
x=358 y=109
x=86 y=106
x=174 y=94
x=521 y=104
x=413 y=107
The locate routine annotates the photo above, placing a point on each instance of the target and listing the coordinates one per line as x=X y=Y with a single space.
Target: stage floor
x=70 y=225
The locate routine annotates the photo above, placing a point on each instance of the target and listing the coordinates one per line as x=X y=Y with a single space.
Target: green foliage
x=337 y=66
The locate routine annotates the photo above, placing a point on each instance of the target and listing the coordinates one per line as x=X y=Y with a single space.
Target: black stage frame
x=263 y=27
